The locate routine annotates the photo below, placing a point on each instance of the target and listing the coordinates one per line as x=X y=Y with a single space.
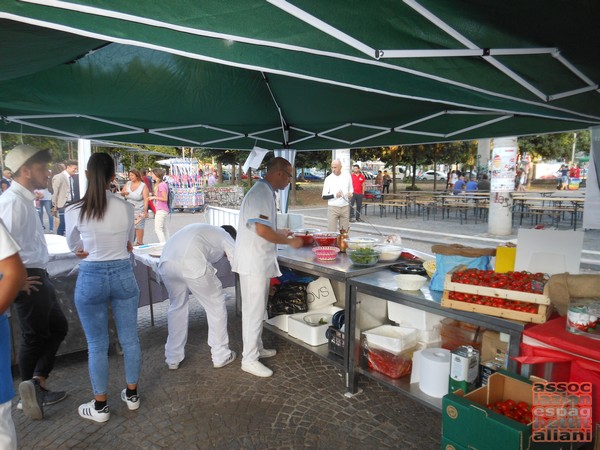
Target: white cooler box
x=280 y=322
x=311 y=333
x=411 y=317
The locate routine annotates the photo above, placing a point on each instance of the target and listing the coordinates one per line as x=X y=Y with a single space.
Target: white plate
x=156 y=253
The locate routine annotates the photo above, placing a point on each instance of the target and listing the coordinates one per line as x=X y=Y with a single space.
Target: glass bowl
x=326 y=239
x=363 y=256
x=361 y=242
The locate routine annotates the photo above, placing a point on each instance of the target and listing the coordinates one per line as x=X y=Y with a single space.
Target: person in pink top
x=160 y=198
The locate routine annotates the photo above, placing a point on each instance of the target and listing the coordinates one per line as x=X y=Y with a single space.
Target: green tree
x=555 y=146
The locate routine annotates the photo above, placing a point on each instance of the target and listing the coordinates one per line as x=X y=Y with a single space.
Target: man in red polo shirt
x=358 y=185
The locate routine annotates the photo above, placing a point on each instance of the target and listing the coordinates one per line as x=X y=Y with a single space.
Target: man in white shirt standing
x=337 y=190
x=187 y=263
x=256 y=259
x=43 y=324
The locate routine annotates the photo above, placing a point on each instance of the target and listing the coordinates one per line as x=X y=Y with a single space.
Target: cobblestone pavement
x=302 y=406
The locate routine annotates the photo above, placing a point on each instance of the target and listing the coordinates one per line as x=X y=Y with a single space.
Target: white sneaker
x=88 y=411
x=174 y=366
x=132 y=402
x=229 y=360
x=258 y=369
x=267 y=353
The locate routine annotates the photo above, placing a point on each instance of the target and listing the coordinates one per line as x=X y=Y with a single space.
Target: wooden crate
x=544 y=311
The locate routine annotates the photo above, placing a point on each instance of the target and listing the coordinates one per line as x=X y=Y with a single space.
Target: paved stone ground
x=302 y=406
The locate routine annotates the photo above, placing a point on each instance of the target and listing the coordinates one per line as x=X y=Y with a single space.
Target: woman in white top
x=100 y=230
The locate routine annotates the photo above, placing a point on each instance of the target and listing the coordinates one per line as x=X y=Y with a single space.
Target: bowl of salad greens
x=364 y=256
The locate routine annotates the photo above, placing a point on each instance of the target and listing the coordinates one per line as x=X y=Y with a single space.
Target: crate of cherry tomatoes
x=511 y=295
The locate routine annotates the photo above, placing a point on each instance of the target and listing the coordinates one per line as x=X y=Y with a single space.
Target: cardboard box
x=312 y=335
x=448 y=444
x=467 y=421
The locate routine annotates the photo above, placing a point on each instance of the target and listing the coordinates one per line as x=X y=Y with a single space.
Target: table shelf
x=381 y=287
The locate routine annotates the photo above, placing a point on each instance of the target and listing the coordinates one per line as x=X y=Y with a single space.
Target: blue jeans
x=99 y=285
x=60 y=231
x=46 y=205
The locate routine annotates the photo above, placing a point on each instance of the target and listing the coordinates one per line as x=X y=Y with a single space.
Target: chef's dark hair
x=232 y=232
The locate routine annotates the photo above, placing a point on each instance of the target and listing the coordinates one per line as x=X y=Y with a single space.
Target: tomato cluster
x=496 y=302
x=514 y=281
x=519 y=411
x=394 y=366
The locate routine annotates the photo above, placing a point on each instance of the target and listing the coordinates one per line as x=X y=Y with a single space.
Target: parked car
x=308 y=176
x=428 y=176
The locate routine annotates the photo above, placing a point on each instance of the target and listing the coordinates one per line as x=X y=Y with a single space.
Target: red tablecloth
x=550 y=342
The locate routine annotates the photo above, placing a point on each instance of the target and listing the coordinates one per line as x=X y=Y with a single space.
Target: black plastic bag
x=287 y=298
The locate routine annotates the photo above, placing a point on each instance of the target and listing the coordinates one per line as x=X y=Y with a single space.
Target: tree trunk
x=394 y=159
x=292 y=193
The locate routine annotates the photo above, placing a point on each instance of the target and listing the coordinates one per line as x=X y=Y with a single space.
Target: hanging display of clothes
x=185 y=184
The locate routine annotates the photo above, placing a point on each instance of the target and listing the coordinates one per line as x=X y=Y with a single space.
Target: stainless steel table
x=340 y=270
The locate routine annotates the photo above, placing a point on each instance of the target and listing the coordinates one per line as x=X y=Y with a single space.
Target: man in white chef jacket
x=186 y=263
x=337 y=190
x=256 y=259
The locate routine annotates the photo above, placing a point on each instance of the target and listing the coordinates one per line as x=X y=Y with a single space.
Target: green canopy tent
x=297 y=74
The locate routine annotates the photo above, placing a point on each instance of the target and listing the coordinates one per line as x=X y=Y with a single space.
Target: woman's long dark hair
x=100 y=172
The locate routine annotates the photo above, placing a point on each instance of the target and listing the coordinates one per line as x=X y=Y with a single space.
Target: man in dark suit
x=64 y=193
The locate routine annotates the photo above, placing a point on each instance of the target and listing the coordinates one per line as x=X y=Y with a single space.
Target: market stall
x=185 y=184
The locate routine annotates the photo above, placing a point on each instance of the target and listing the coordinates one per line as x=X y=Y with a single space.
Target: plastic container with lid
x=456 y=334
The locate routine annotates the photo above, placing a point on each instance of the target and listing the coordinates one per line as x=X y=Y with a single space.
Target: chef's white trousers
x=255 y=292
x=208 y=290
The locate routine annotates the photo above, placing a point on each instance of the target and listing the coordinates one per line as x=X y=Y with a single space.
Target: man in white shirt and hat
x=43 y=324
x=256 y=259
x=337 y=190
x=186 y=263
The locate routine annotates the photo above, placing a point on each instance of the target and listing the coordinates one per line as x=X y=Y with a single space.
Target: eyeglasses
x=287 y=173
